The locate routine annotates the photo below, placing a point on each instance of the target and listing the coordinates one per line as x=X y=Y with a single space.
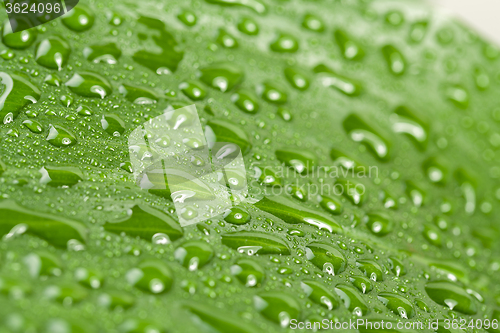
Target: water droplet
x=88 y=84
x=435 y=171
x=33 y=125
x=452 y=296
x=313 y=23
x=364 y=284
x=106 y=53
x=397 y=304
x=395 y=60
x=88 y=278
x=19 y=40
x=53 y=52
x=166 y=61
x=291 y=212
x=226 y=39
x=237 y=216
x=388 y=200
x=415 y=193
x=331 y=205
x=302 y=161
x=60 y=136
x=193 y=90
x=136 y=325
x=151 y=275
x=60 y=176
x=226 y=131
x=432 y=235
x=445 y=35
x=272 y=92
x=116 y=299
x=407 y=122
x=481 y=78
x=379 y=224
x=418 y=30
x=458 y=95
x=113 y=124
x=359 y=131
x=53 y=80
x=248 y=272
x=145 y=222
x=352 y=299
x=255 y=5
x=79 y=19
x=329 y=78
x=43 y=264
x=396 y=266
x=394 y=18
x=66 y=294
x=245 y=101
x=298 y=78
x=187 y=17
x=371 y=269
x=253 y=242
x=248 y=26
x=285 y=43
x=223 y=76
x=56 y=230
x=349 y=49
x=352 y=191
x=319 y=294
x=285 y=114
x=194 y=254
x=468 y=186
x=278 y=307
x=16 y=92
x=14 y=288
x=216 y=319
x=326 y=257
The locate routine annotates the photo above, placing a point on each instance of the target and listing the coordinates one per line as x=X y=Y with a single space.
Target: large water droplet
x=248 y=272
x=88 y=84
x=19 y=40
x=359 y=130
x=223 y=76
x=278 y=307
x=16 y=91
x=194 y=254
x=397 y=304
x=151 y=275
x=53 y=52
x=60 y=176
x=60 y=136
x=319 y=294
x=452 y=296
x=329 y=78
x=291 y=212
x=253 y=242
x=145 y=222
x=107 y=53
x=352 y=299
x=79 y=19
x=326 y=257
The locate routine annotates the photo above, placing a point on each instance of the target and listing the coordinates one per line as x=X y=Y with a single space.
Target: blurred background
x=480 y=14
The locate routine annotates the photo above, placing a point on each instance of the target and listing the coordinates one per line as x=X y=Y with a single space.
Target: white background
x=483 y=15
